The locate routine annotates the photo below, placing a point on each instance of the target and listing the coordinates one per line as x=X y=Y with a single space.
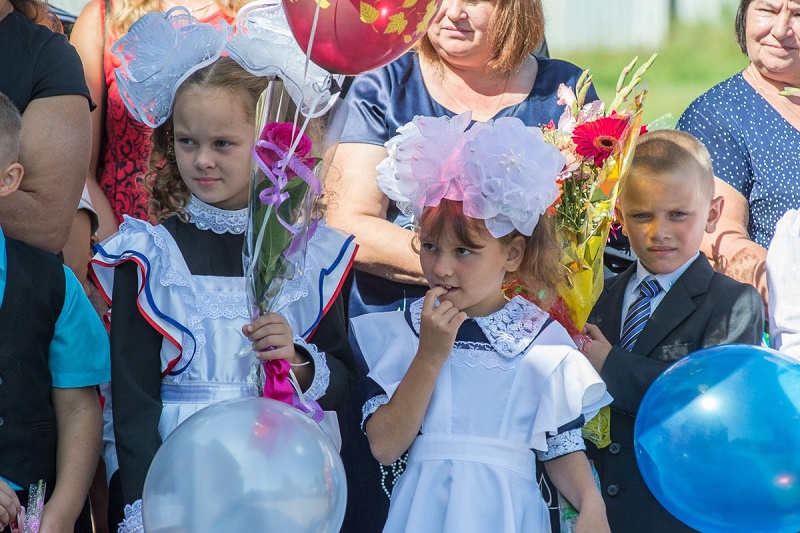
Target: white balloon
x=248 y=464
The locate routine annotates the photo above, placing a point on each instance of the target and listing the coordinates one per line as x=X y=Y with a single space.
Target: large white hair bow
x=161 y=50
x=265 y=46
x=158 y=53
x=503 y=171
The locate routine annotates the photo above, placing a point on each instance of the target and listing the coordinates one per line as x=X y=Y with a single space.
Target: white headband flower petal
x=158 y=53
x=503 y=171
x=424 y=158
x=161 y=50
x=265 y=46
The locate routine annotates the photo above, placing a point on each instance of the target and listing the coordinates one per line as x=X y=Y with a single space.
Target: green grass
x=693 y=59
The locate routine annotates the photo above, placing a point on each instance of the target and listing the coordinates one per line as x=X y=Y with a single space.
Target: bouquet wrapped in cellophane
x=284 y=192
x=287 y=169
x=296 y=132
x=29 y=519
x=598 y=142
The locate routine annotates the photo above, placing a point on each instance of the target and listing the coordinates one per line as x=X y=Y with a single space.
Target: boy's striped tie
x=639 y=312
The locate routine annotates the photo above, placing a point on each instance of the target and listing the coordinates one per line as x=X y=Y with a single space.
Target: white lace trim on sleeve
x=132 y=523
x=322 y=374
x=562 y=444
x=371 y=405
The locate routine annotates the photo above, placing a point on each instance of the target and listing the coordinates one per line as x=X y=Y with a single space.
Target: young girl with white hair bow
x=473 y=385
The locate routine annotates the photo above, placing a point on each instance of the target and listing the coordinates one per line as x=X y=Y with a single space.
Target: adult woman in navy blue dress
x=753 y=134
x=477 y=55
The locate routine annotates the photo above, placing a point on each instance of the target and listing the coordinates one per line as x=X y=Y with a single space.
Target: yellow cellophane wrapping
x=582 y=252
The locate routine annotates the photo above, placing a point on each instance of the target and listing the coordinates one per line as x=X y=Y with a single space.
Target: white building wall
x=606 y=24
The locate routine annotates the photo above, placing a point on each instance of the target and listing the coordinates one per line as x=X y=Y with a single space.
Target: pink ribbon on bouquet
x=276 y=380
x=277 y=175
x=277 y=386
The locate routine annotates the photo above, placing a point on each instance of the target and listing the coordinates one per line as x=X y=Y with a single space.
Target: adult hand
x=729 y=247
x=355 y=204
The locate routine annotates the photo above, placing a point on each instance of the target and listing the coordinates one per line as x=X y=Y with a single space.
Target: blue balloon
x=717 y=440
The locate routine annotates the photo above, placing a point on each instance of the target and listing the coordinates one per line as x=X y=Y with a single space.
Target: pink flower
x=592 y=111
x=566 y=96
x=598 y=138
x=275 y=141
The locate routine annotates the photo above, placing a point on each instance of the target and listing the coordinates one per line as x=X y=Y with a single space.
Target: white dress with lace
x=205 y=358
x=513 y=379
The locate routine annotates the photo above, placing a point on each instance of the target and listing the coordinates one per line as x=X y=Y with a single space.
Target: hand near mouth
x=439 y=325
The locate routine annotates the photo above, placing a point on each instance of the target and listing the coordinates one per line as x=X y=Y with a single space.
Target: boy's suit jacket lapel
x=612 y=298
x=676 y=306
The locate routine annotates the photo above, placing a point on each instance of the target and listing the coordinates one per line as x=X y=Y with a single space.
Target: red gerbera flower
x=598 y=138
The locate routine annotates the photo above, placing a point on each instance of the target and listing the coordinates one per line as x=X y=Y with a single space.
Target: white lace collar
x=219 y=221
x=510 y=330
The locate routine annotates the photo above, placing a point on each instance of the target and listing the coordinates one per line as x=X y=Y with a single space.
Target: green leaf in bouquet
x=276 y=238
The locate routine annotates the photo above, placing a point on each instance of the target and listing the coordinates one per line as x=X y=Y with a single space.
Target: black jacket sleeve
x=331 y=338
x=136 y=383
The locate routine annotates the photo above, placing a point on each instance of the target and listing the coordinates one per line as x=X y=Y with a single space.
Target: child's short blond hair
x=675 y=155
x=10 y=132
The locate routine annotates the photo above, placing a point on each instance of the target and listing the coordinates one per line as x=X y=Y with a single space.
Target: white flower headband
x=503 y=171
x=161 y=50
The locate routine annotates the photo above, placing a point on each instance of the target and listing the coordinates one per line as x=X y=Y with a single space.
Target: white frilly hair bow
x=158 y=53
x=265 y=46
x=503 y=171
x=161 y=50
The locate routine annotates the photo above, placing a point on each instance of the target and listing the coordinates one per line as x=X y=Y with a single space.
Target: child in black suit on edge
x=663 y=307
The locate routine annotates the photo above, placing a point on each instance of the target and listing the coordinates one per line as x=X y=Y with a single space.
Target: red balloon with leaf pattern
x=355 y=36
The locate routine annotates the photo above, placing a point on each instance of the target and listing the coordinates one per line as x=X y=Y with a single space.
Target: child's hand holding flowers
x=272 y=338
x=273 y=343
x=9 y=504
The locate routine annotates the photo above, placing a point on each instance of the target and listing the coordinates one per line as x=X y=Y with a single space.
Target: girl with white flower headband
x=182 y=335
x=475 y=386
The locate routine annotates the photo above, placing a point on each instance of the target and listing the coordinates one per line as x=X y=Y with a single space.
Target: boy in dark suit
x=663 y=307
